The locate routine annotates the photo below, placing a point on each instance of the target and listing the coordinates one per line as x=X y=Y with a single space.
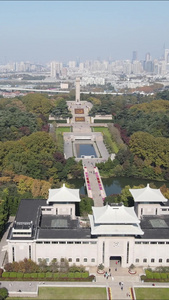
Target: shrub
x=132 y=267
x=19 y=275
x=85 y=275
x=61 y=121
x=102 y=121
x=63 y=275
x=1 y=271
x=163 y=276
x=91 y=277
x=77 y=275
x=49 y=275
x=5 y=274
x=33 y=275
x=101 y=267
x=3 y=293
x=55 y=275
x=156 y=275
x=41 y=275
x=75 y=268
x=26 y=275
x=70 y=275
x=149 y=274
x=12 y=274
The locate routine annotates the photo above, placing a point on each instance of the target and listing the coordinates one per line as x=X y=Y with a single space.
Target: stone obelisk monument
x=77 y=90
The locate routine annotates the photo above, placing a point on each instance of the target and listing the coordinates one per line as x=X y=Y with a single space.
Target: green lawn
x=108 y=138
x=152 y=293
x=60 y=293
x=59 y=137
x=63 y=129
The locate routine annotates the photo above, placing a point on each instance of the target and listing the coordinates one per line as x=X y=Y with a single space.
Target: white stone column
x=77 y=90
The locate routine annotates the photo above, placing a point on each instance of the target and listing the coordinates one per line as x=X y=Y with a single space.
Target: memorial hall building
x=49 y=228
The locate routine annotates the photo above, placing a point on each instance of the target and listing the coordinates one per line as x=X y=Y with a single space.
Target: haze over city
x=42 y=31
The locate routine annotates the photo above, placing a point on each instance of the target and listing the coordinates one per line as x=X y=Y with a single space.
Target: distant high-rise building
x=148 y=57
x=135 y=56
x=81 y=66
x=166 y=56
x=148 y=63
x=55 y=69
x=72 y=64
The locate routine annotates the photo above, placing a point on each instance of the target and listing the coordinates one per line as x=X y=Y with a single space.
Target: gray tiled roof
x=155 y=227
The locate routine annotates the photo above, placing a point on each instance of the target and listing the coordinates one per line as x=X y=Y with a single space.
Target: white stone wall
x=148 y=209
x=50 y=250
x=150 y=251
x=21 y=250
x=115 y=246
x=92 y=250
x=60 y=209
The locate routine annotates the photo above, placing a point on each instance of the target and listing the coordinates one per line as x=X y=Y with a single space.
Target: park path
x=94 y=185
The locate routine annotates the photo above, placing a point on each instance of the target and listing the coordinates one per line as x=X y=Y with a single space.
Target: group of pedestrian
x=107 y=275
x=128 y=295
x=121 y=285
x=117 y=262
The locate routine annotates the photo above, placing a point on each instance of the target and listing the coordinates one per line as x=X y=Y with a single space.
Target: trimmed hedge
x=13 y=274
x=155 y=276
x=33 y=275
x=5 y=274
x=19 y=275
x=49 y=275
x=56 y=275
x=63 y=275
x=85 y=275
x=26 y=275
x=70 y=276
x=41 y=275
x=77 y=275
x=163 y=276
x=102 y=121
x=61 y=121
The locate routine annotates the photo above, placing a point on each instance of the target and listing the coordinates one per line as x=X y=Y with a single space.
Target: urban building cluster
x=134 y=66
x=113 y=75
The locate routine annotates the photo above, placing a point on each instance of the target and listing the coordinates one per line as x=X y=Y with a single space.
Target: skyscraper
x=166 y=56
x=148 y=57
x=56 y=68
x=135 y=56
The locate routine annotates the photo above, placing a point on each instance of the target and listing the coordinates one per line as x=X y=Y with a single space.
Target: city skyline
x=42 y=31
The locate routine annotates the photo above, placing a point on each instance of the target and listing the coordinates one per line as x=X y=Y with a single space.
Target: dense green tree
x=3 y=293
x=15 y=123
x=54 y=265
x=61 y=110
x=37 y=104
x=85 y=205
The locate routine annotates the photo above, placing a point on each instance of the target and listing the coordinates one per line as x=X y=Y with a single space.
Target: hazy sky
x=41 y=31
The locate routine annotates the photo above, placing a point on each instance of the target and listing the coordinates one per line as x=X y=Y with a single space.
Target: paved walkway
x=97 y=194
x=81 y=129
x=28 y=288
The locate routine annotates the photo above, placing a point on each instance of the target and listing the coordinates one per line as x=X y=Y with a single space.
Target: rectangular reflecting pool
x=85 y=149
